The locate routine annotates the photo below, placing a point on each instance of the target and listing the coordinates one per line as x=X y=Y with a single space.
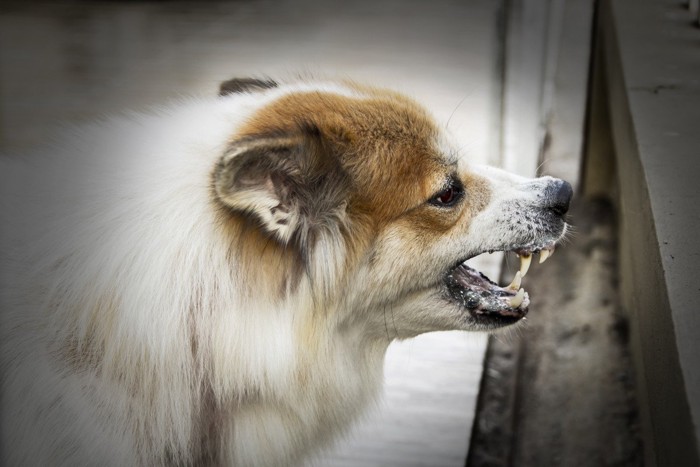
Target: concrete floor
x=72 y=61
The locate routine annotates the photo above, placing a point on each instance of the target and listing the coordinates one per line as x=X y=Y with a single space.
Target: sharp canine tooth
x=544 y=254
x=515 y=285
x=516 y=301
x=525 y=261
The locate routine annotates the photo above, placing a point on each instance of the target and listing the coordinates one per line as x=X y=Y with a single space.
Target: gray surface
x=567 y=91
x=662 y=66
x=545 y=72
x=524 y=76
x=651 y=68
x=72 y=61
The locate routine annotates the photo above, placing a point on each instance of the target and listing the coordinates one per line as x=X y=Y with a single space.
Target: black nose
x=561 y=197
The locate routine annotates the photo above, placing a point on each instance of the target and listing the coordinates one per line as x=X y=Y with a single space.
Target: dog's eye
x=449 y=196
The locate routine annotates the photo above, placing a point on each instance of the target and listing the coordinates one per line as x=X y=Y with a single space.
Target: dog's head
x=366 y=206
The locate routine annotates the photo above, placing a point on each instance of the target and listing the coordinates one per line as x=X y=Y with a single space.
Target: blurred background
x=602 y=93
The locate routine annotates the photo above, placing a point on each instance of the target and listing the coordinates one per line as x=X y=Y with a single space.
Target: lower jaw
x=491 y=321
x=485 y=301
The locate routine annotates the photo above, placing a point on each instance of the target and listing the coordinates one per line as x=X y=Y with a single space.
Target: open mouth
x=485 y=299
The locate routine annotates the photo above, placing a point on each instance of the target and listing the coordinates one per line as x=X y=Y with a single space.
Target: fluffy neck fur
x=142 y=326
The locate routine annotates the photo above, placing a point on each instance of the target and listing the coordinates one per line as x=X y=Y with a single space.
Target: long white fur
x=111 y=245
x=124 y=250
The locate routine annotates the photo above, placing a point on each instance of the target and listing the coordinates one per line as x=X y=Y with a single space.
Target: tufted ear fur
x=238 y=85
x=292 y=184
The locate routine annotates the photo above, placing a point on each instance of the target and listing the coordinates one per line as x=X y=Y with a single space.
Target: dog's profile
x=210 y=283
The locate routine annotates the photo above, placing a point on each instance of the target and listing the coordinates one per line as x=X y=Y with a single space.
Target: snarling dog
x=209 y=283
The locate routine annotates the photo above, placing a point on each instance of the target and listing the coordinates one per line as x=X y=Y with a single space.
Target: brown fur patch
x=386 y=143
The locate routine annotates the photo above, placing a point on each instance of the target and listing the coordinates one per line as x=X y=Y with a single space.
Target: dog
x=209 y=283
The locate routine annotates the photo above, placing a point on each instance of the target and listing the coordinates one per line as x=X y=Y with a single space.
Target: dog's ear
x=239 y=85
x=291 y=184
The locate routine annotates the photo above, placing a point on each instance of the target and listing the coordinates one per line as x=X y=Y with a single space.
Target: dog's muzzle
x=485 y=300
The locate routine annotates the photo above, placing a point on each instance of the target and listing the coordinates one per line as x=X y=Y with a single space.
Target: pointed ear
x=239 y=85
x=291 y=185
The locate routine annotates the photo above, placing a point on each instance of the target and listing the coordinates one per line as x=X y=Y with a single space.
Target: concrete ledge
x=644 y=127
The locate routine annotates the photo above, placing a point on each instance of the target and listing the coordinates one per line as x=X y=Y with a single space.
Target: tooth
x=525 y=261
x=544 y=254
x=515 y=285
x=516 y=301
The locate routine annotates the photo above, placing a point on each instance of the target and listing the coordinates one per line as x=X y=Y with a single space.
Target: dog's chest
x=343 y=385
x=321 y=404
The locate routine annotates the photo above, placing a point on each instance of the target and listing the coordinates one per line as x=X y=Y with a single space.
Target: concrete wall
x=644 y=151
x=545 y=76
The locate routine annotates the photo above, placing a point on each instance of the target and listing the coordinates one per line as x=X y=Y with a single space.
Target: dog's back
x=113 y=245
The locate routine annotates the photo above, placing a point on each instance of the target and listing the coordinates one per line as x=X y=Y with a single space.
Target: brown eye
x=446 y=196
x=449 y=196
